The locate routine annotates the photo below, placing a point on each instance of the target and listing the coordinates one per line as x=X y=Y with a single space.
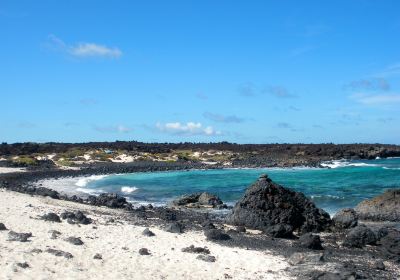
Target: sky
x=200 y=71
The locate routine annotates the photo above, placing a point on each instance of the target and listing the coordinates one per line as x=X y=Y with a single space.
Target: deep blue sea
x=341 y=184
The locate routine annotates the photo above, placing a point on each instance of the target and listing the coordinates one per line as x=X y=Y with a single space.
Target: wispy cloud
x=391 y=70
x=280 y=92
x=84 y=49
x=285 y=125
x=371 y=84
x=223 y=119
x=202 y=96
x=113 y=129
x=247 y=89
x=188 y=129
x=376 y=99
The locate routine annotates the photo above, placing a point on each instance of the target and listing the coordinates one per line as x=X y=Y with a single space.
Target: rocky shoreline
x=343 y=248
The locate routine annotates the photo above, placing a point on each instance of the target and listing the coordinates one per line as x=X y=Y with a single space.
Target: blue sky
x=171 y=71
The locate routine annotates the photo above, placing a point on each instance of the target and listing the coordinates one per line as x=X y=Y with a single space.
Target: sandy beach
x=118 y=241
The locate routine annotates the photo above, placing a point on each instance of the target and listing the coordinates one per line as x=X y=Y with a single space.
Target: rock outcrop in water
x=385 y=207
x=199 y=199
x=267 y=204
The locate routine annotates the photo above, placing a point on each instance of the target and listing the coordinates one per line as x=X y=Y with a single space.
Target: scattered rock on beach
x=51 y=217
x=74 y=240
x=2 y=226
x=385 y=207
x=36 y=251
x=206 y=258
x=174 y=227
x=111 y=200
x=59 y=253
x=98 y=257
x=196 y=250
x=21 y=237
x=267 y=204
x=345 y=218
x=148 y=232
x=77 y=217
x=310 y=241
x=240 y=229
x=389 y=245
x=46 y=192
x=144 y=252
x=359 y=237
x=216 y=234
x=301 y=258
x=23 y=265
x=54 y=234
x=379 y=265
x=208 y=225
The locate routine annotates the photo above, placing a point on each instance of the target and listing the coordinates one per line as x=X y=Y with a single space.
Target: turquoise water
x=344 y=185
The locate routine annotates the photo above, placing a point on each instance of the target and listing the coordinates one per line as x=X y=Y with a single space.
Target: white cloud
x=188 y=129
x=377 y=99
x=84 y=49
x=91 y=49
x=113 y=129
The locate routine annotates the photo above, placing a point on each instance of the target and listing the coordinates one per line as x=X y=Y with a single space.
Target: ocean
x=340 y=184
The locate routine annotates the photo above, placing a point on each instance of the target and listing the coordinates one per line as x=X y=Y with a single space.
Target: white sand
x=108 y=240
x=11 y=170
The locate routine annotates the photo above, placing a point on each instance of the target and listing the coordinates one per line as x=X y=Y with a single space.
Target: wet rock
x=310 y=241
x=51 y=217
x=385 y=207
x=23 y=265
x=280 y=231
x=21 y=237
x=174 y=227
x=206 y=258
x=198 y=200
x=345 y=218
x=74 y=240
x=59 y=253
x=216 y=234
x=196 y=250
x=2 y=226
x=148 y=232
x=144 y=251
x=98 y=257
x=379 y=265
x=310 y=258
x=77 y=217
x=359 y=236
x=266 y=204
x=54 y=234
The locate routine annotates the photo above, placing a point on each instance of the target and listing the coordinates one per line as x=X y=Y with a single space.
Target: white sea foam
x=128 y=189
x=391 y=168
x=82 y=182
x=89 y=191
x=326 y=196
x=344 y=163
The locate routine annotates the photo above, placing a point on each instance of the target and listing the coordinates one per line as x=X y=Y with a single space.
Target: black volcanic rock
x=385 y=207
x=359 y=237
x=266 y=204
x=77 y=217
x=51 y=217
x=198 y=200
x=345 y=218
x=310 y=241
x=2 y=226
x=216 y=234
x=111 y=200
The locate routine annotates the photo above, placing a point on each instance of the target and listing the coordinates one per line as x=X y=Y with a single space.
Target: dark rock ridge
x=59 y=253
x=385 y=207
x=345 y=218
x=200 y=199
x=266 y=204
x=111 y=200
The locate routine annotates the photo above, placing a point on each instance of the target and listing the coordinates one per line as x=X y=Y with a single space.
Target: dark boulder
x=359 y=237
x=280 y=231
x=51 y=217
x=148 y=232
x=2 y=226
x=98 y=257
x=196 y=250
x=111 y=200
x=54 y=234
x=208 y=225
x=216 y=234
x=23 y=265
x=345 y=218
x=174 y=227
x=310 y=241
x=385 y=207
x=46 y=192
x=266 y=204
x=196 y=200
x=74 y=241
x=389 y=244
x=76 y=217
x=59 y=253
x=144 y=251
x=206 y=258
x=21 y=237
